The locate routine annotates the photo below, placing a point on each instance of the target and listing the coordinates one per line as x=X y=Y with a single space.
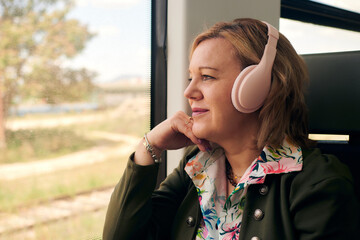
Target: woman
x=251 y=173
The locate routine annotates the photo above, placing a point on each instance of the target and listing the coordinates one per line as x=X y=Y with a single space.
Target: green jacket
x=316 y=203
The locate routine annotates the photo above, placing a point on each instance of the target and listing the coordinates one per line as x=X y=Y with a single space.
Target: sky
x=122 y=45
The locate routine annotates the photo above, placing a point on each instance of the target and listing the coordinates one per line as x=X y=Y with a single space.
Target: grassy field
x=37 y=144
x=25 y=192
x=87 y=226
x=45 y=143
x=25 y=145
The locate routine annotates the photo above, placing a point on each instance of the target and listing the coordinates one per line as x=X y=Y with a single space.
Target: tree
x=35 y=38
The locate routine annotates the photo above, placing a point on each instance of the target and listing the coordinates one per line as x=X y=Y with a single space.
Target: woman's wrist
x=144 y=156
x=154 y=152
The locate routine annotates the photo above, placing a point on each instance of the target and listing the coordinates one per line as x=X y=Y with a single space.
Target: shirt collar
x=286 y=158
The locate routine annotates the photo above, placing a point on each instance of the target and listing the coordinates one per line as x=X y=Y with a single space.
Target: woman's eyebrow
x=206 y=67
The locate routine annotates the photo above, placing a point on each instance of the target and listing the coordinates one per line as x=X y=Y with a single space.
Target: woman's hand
x=173 y=133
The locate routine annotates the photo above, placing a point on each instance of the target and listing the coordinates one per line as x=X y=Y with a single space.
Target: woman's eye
x=203 y=77
x=207 y=77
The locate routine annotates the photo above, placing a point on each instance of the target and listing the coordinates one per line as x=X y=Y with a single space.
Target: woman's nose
x=192 y=91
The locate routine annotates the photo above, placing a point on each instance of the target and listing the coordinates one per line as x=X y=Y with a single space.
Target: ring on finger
x=188 y=121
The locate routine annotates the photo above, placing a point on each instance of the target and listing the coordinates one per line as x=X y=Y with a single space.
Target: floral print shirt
x=222 y=217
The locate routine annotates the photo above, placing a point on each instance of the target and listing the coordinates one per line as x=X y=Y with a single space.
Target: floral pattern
x=222 y=217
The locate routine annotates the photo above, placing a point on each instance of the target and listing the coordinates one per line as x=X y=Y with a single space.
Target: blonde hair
x=284 y=113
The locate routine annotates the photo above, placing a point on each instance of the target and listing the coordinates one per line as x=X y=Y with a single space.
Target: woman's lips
x=198 y=111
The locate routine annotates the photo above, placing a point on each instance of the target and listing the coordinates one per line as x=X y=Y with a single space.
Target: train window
x=311 y=38
x=74 y=102
x=322 y=26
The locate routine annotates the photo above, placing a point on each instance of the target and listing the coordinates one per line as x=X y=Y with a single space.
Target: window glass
x=311 y=38
x=74 y=103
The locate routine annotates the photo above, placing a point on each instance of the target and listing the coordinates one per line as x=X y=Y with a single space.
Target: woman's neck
x=241 y=148
x=240 y=157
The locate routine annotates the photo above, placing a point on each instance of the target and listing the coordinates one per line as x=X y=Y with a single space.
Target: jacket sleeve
x=324 y=205
x=136 y=211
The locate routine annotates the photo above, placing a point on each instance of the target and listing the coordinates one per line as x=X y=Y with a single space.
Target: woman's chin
x=200 y=131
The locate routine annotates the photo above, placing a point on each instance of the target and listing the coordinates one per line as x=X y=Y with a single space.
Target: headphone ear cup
x=251 y=88
x=236 y=92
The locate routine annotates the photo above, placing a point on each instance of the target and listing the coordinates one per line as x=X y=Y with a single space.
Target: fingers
x=190 y=119
x=186 y=129
x=176 y=132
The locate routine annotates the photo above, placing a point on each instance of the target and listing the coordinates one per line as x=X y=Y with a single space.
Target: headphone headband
x=252 y=85
x=273 y=35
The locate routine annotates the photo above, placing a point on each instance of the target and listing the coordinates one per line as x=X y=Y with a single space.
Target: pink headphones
x=252 y=85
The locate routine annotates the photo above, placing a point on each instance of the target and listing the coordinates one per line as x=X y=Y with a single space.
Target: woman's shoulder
x=324 y=171
x=323 y=195
x=321 y=166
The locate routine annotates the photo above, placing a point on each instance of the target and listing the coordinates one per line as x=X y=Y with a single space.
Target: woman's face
x=213 y=69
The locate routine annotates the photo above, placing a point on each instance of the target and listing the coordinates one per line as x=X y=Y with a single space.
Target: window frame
x=158 y=83
x=321 y=14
